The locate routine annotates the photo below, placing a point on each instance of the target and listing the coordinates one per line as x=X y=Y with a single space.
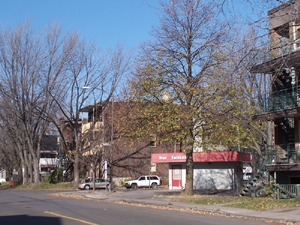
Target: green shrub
x=82 y=173
x=269 y=188
x=54 y=177
x=47 y=179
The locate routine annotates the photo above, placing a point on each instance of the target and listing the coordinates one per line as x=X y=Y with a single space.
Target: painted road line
x=71 y=218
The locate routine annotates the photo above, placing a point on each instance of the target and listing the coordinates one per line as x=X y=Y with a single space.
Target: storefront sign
x=221 y=156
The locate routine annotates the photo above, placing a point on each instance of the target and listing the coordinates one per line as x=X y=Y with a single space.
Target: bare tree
x=91 y=76
x=32 y=66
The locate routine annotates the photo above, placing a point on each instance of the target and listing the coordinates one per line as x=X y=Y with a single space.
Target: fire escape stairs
x=287 y=125
x=256 y=182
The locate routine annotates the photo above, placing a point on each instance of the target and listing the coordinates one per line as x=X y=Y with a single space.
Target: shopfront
x=212 y=170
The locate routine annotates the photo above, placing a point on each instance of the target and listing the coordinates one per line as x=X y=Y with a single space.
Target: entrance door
x=294 y=180
x=176 y=176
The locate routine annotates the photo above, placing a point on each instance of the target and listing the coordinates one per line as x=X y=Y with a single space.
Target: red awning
x=222 y=156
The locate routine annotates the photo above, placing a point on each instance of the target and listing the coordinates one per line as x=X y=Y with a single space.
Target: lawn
x=4 y=185
x=262 y=204
x=258 y=203
x=217 y=200
x=45 y=186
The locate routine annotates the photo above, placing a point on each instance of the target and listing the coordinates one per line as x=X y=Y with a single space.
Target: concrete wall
x=214 y=175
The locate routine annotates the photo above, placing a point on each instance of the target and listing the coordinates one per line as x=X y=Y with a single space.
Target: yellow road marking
x=71 y=218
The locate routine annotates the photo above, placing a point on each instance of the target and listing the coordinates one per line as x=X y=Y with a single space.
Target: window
x=44 y=169
x=142 y=178
x=297 y=38
x=152 y=140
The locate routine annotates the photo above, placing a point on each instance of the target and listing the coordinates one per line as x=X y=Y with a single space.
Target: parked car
x=2 y=180
x=99 y=183
x=144 y=181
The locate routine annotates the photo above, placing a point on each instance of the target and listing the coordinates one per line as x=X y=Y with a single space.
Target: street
x=38 y=208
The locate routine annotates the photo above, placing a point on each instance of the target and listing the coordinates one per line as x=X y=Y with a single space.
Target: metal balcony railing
x=94 y=126
x=286 y=191
x=282 y=154
x=284 y=99
x=267 y=54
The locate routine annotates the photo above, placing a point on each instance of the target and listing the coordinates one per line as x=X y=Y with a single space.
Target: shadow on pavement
x=32 y=220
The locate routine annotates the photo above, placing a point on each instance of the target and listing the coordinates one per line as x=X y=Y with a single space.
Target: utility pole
x=111 y=146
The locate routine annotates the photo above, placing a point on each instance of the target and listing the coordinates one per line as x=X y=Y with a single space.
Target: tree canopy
x=186 y=73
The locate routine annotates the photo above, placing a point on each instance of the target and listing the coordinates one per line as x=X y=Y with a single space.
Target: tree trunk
x=24 y=172
x=37 y=179
x=189 y=173
x=189 y=166
x=76 y=170
x=29 y=167
x=93 y=169
x=24 y=167
x=28 y=164
x=110 y=178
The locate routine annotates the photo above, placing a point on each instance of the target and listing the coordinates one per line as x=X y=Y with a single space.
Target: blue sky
x=106 y=21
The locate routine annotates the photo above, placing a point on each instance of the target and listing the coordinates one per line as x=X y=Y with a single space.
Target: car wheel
x=134 y=186
x=87 y=187
x=154 y=185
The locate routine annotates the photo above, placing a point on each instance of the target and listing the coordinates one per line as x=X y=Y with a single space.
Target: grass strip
x=209 y=201
x=46 y=186
x=267 y=204
x=4 y=185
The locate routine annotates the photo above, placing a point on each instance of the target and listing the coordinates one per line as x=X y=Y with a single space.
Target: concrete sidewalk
x=147 y=197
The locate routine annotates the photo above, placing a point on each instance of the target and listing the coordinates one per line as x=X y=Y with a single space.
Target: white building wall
x=48 y=162
x=3 y=173
x=214 y=175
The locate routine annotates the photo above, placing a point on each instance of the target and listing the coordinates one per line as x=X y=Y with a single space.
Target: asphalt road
x=38 y=208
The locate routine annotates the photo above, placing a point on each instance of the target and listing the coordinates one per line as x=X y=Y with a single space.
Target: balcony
x=48 y=162
x=282 y=154
x=265 y=55
x=95 y=126
x=266 y=60
x=284 y=99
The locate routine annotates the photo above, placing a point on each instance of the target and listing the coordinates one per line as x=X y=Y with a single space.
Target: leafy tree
x=185 y=83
